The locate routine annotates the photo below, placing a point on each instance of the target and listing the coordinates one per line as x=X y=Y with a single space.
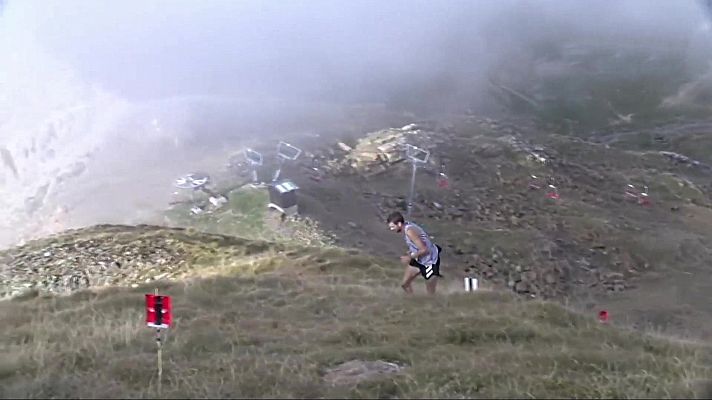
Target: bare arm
x=422 y=248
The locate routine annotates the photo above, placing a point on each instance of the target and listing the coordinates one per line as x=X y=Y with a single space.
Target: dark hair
x=396 y=218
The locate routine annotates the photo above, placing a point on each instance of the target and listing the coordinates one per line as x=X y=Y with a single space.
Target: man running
x=423 y=255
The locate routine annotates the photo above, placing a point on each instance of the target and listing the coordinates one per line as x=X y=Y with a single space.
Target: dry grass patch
x=279 y=333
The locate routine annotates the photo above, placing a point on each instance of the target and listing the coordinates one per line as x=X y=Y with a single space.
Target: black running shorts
x=428 y=271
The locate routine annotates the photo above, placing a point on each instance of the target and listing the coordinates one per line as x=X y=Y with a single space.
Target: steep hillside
x=600 y=244
x=280 y=321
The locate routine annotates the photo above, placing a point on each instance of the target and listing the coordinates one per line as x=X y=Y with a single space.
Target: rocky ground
x=283 y=322
x=489 y=194
x=577 y=218
x=116 y=255
x=91 y=261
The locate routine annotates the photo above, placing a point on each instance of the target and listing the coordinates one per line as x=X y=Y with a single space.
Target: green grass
x=274 y=326
x=246 y=215
x=243 y=216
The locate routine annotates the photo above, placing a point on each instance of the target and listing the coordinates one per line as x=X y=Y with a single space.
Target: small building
x=283 y=197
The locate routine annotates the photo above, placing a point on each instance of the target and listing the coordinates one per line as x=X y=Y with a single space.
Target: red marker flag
x=443 y=181
x=553 y=193
x=158 y=311
x=603 y=316
x=644 y=200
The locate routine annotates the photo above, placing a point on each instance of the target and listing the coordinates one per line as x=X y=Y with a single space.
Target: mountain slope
x=274 y=320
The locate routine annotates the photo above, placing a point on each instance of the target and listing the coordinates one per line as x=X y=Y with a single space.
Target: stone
x=357 y=371
x=550 y=278
x=218 y=201
x=86 y=263
x=529 y=276
x=618 y=287
x=345 y=147
x=521 y=287
x=614 y=276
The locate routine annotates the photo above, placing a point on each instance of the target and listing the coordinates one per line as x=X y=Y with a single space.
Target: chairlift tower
x=283 y=193
x=254 y=159
x=417 y=156
x=285 y=152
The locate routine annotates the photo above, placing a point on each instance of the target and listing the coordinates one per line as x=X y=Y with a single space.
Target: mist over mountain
x=81 y=79
x=322 y=50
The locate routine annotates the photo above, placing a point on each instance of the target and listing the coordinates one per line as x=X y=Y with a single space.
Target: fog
x=362 y=50
x=80 y=80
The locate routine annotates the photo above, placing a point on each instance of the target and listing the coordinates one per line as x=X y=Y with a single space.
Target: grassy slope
x=270 y=326
x=247 y=215
x=243 y=216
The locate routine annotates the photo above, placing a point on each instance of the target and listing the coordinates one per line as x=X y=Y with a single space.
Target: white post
x=412 y=189
x=471 y=284
x=160 y=359
x=278 y=171
x=160 y=353
x=416 y=156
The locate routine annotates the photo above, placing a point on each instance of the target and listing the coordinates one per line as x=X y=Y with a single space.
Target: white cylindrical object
x=471 y=284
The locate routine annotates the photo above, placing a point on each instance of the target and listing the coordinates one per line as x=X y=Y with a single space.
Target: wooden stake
x=160 y=358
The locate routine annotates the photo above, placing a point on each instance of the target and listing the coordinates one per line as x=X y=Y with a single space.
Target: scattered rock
x=66 y=266
x=356 y=371
x=521 y=287
x=682 y=159
x=550 y=279
x=375 y=153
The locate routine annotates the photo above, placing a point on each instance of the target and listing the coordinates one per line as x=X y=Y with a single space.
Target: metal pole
x=412 y=189
x=160 y=359
x=160 y=354
x=279 y=170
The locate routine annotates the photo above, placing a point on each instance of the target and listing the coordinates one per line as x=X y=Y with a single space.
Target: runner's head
x=396 y=222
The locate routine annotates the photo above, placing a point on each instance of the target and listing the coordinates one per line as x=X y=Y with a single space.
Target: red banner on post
x=158 y=311
x=443 y=181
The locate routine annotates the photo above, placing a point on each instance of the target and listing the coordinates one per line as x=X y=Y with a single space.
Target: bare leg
x=431 y=284
x=410 y=274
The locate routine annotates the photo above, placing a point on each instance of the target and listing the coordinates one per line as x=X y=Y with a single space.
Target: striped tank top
x=428 y=259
